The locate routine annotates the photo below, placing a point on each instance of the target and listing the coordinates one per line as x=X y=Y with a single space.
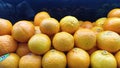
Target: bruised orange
x=40 y=16
x=23 y=30
x=5 y=27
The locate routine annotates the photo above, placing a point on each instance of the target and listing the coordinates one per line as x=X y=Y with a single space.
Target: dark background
x=15 y=10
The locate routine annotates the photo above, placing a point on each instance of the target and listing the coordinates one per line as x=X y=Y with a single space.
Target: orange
x=78 y=58
x=37 y=30
x=112 y=24
x=49 y=26
x=40 y=16
x=108 y=40
x=92 y=50
x=69 y=24
x=30 y=61
x=103 y=59
x=87 y=24
x=117 y=56
x=114 y=13
x=7 y=44
x=5 y=27
x=63 y=41
x=100 y=21
x=10 y=60
x=97 y=29
x=54 y=59
x=22 y=49
x=85 y=39
x=23 y=30
x=39 y=44
x=81 y=22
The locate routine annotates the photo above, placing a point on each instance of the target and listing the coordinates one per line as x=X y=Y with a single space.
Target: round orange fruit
x=22 y=49
x=117 y=56
x=50 y=26
x=40 y=16
x=85 y=39
x=5 y=27
x=103 y=59
x=114 y=13
x=7 y=44
x=10 y=60
x=112 y=24
x=87 y=24
x=23 y=30
x=30 y=61
x=39 y=44
x=100 y=21
x=37 y=30
x=78 y=58
x=69 y=24
x=108 y=40
x=54 y=59
x=63 y=41
x=97 y=29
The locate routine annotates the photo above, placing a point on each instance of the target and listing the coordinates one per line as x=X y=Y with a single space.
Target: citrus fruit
x=92 y=50
x=87 y=24
x=39 y=44
x=114 y=13
x=103 y=59
x=63 y=41
x=108 y=40
x=30 y=61
x=100 y=21
x=23 y=30
x=5 y=27
x=37 y=30
x=80 y=22
x=54 y=59
x=22 y=49
x=85 y=39
x=112 y=24
x=7 y=44
x=9 y=61
x=40 y=16
x=97 y=29
x=69 y=24
x=117 y=56
x=78 y=58
x=49 y=26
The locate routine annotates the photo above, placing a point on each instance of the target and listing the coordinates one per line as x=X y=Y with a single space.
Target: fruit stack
x=68 y=43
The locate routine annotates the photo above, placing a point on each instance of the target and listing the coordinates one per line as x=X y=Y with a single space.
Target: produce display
x=46 y=42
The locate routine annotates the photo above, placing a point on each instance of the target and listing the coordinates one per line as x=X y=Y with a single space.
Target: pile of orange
x=68 y=43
